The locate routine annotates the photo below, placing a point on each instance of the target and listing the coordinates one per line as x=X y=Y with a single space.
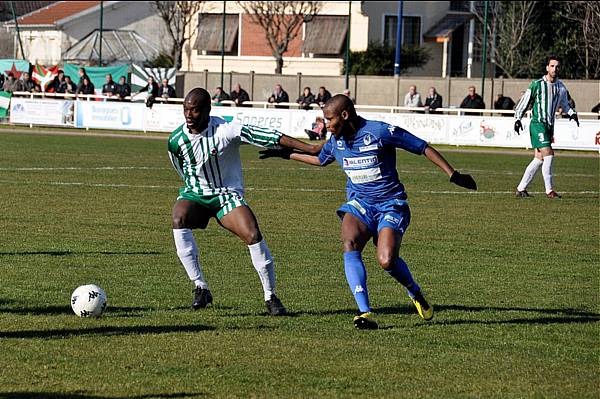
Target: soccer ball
x=88 y=301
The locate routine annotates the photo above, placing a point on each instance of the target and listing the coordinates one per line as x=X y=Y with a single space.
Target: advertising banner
x=110 y=115
x=41 y=111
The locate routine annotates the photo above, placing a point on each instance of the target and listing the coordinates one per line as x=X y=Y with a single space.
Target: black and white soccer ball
x=88 y=301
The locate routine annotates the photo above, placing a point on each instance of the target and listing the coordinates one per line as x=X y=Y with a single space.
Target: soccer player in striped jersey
x=205 y=153
x=544 y=96
x=377 y=204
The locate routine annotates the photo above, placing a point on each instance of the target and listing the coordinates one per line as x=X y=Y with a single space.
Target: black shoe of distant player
x=522 y=194
x=553 y=195
x=365 y=321
x=275 y=307
x=202 y=297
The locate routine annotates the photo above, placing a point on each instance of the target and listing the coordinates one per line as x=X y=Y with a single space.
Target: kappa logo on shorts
x=391 y=219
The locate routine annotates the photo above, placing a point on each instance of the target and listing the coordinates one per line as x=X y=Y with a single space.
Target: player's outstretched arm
x=290 y=142
x=288 y=153
x=456 y=177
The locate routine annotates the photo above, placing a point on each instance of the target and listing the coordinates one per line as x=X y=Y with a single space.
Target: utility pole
x=398 y=39
x=348 y=46
x=12 y=8
x=223 y=46
x=484 y=55
x=471 y=39
x=101 y=29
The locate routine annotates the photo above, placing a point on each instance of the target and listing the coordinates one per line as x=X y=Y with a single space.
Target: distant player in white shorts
x=205 y=153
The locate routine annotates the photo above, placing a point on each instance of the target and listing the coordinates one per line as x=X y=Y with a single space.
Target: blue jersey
x=369 y=160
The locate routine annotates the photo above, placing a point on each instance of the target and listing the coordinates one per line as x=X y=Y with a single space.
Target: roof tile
x=55 y=12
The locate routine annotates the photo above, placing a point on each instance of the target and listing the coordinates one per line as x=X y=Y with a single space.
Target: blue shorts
x=394 y=214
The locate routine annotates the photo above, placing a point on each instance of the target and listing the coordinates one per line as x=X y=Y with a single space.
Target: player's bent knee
x=386 y=261
x=180 y=221
x=251 y=237
x=350 y=245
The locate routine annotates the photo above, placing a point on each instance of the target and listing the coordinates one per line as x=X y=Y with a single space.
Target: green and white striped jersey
x=544 y=98
x=209 y=162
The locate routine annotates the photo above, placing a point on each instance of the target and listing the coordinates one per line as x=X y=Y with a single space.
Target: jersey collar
x=186 y=130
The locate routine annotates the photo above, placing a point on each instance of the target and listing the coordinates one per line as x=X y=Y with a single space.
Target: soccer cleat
x=202 y=297
x=553 y=195
x=522 y=194
x=275 y=307
x=365 y=321
x=424 y=309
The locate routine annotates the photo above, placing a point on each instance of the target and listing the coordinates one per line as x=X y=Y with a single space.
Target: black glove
x=574 y=117
x=518 y=126
x=465 y=181
x=276 y=153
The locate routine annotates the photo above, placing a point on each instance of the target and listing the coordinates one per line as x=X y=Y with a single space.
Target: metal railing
x=268 y=105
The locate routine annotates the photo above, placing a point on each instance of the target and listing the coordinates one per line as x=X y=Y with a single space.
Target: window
x=411 y=31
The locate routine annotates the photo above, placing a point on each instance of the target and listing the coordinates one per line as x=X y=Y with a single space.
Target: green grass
x=515 y=283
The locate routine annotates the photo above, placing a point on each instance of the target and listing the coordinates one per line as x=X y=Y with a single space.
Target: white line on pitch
x=316 y=190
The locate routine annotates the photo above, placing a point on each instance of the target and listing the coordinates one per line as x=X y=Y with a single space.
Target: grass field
x=515 y=283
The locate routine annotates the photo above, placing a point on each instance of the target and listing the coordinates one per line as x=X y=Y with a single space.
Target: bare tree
x=178 y=17
x=586 y=14
x=281 y=21
x=513 y=38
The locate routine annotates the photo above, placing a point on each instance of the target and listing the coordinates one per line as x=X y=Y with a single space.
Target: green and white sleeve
x=523 y=104
x=260 y=136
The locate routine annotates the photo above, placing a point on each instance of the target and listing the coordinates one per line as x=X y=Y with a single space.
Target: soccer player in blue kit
x=377 y=205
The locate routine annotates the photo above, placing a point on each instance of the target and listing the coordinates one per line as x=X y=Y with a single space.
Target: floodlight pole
x=101 y=28
x=12 y=8
x=483 y=67
x=223 y=47
x=347 y=86
x=398 y=38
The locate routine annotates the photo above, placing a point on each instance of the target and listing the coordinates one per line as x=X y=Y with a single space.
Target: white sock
x=265 y=267
x=187 y=250
x=529 y=174
x=547 y=172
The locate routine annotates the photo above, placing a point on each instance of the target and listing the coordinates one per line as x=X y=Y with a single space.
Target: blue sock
x=402 y=274
x=357 y=279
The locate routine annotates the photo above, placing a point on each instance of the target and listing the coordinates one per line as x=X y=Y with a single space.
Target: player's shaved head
x=196 y=109
x=198 y=96
x=339 y=103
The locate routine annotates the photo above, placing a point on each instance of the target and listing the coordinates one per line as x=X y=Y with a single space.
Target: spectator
x=28 y=85
x=123 y=89
x=152 y=89
x=1 y=81
x=347 y=94
x=279 y=96
x=323 y=96
x=433 y=101
x=596 y=108
x=412 y=98
x=67 y=86
x=166 y=91
x=87 y=87
x=306 y=98
x=239 y=95
x=11 y=84
x=54 y=87
x=472 y=100
x=82 y=74
x=504 y=103
x=110 y=87
x=318 y=130
x=220 y=95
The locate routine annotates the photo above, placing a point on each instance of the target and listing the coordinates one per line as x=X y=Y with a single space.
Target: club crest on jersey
x=368 y=139
x=340 y=145
x=214 y=152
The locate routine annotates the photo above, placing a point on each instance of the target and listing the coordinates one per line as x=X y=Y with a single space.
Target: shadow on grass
x=556 y=311
x=56 y=395
x=121 y=311
x=104 y=331
x=71 y=253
